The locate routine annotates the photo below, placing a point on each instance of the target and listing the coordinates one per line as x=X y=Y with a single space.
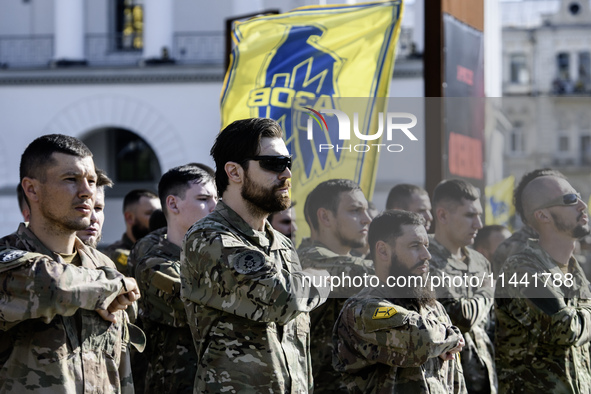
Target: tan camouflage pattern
x=542 y=343
x=139 y=360
x=119 y=253
x=247 y=305
x=172 y=360
x=51 y=338
x=470 y=309
x=399 y=353
x=322 y=319
x=514 y=244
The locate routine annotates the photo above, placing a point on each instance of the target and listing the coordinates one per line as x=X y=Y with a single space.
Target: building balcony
x=102 y=50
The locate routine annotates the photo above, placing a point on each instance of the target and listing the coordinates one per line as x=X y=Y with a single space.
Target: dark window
x=563 y=65
x=585 y=150
x=519 y=74
x=135 y=161
x=129 y=22
x=584 y=67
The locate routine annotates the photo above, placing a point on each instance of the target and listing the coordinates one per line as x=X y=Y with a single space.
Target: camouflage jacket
x=470 y=309
x=142 y=247
x=119 y=253
x=51 y=338
x=384 y=347
x=515 y=243
x=322 y=319
x=172 y=358
x=247 y=304
x=543 y=330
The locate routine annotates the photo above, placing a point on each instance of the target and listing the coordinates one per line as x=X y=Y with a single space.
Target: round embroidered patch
x=248 y=262
x=10 y=255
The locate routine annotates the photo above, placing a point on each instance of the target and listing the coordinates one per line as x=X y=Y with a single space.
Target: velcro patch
x=11 y=255
x=122 y=259
x=248 y=262
x=384 y=312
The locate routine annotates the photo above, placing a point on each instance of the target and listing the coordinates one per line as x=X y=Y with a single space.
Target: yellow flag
x=499 y=202
x=322 y=72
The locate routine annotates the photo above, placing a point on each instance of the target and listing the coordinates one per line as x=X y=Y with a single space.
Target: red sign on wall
x=465 y=156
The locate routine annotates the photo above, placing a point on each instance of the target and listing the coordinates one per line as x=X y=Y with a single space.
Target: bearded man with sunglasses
x=246 y=296
x=542 y=298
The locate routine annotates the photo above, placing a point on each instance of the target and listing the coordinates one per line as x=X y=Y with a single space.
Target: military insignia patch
x=10 y=255
x=122 y=259
x=248 y=262
x=384 y=312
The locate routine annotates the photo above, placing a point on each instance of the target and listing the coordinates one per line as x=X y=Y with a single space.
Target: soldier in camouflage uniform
x=138 y=205
x=337 y=210
x=457 y=221
x=391 y=339
x=411 y=198
x=187 y=194
x=543 y=301
x=92 y=234
x=64 y=329
x=246 y=298
x=518 y=240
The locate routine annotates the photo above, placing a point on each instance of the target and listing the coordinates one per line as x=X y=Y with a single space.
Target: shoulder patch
x=384 y=312
x=121 y=259
x=11 y=255
x=248 y=262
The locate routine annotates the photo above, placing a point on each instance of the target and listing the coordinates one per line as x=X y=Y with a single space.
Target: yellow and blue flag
x=499 y=207
x=322 y=72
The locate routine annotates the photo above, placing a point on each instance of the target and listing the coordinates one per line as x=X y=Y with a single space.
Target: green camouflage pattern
x=51 y=338
x=542 y=343
x=119 y=253
x=514 y=244
x=139 y=360
x=247 y=304
x=322 y=319
x=399 y=353
x=470 y=309
x=172 y=360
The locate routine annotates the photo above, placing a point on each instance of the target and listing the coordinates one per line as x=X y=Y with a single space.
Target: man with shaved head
x=542 y=298
x=517 y=241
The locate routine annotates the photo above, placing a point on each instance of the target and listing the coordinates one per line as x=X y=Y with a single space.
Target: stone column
x=69 y=32
x=158 y=31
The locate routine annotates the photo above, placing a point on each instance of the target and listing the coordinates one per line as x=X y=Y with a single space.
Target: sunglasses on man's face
x=276 y=164
x=567 y=199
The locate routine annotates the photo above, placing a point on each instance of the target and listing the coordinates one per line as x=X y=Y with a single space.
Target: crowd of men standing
x=202 y=294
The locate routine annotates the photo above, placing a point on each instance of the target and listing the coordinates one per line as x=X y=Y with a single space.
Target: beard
x=66 y=224
x=92 y=242
x=139 y=231
x=417 y=297
x=350 y=242
x=264 y=201
x=579 y=231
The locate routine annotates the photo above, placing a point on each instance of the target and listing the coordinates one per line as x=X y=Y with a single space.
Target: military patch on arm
x=9 y=255
x=384 y=312
x=249 y=262
x=121 y=258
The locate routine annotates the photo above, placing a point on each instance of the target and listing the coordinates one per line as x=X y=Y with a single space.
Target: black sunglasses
x=276 y=164
x=567 y=199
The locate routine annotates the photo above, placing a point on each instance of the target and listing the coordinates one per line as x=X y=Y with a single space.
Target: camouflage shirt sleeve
x=543 y=310
x=160 y=284
x=221 y=272
x=36 y=286
x=404 y=339
x=469 y=306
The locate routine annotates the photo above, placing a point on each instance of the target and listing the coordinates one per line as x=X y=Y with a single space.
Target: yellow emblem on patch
x=384 y=312
x=122 y=259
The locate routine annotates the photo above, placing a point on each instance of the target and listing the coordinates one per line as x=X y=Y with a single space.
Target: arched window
x=128 y=159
